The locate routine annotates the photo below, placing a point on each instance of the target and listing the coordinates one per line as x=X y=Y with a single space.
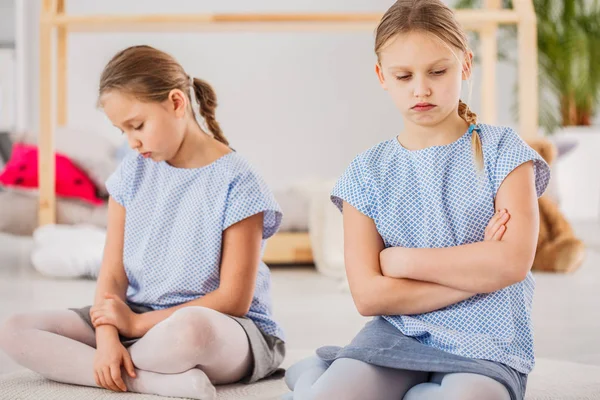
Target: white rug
x=551 y=380
x=30 y=386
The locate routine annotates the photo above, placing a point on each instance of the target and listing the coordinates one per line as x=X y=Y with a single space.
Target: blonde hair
x=433 y=17
x=150 y=75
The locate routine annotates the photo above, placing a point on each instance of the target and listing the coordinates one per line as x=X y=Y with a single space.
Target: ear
x=380 y=76
x=467 y=65
x=177 y=102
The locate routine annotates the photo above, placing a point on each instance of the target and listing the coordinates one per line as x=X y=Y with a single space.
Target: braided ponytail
x=207 y=100
x=471 y=118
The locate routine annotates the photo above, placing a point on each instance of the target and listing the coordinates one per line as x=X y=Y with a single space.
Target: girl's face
x=153 y=129
x=423 y=76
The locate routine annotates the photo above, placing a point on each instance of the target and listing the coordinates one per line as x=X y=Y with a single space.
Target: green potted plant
x=568 y=55
x=569 y=98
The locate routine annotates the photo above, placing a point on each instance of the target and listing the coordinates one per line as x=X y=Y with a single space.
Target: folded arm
x=481 y=267
x=375 y=294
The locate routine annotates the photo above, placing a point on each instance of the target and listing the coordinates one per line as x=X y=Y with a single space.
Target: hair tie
x=473 y=127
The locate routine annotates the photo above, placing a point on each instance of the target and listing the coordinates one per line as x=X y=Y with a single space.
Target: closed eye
x=140 y=126
x=434 y=73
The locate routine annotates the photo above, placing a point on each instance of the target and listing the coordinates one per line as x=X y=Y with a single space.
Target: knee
x=313 y=365
x=11 y=328
x=472 y=387
x=194 y=327
x=306 y=387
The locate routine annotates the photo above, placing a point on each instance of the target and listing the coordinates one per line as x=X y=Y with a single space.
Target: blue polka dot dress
x=432 y=198
x=174 y=226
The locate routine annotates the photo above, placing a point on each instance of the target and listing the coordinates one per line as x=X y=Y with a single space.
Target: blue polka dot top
x=436 y=197
x=174 y=226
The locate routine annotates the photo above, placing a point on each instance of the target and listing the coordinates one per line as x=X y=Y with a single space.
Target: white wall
x=7 y=20
x=298 y=105
x=7 y=65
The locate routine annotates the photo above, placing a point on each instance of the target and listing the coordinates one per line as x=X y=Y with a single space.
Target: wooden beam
x=126 y=27
x=470 y=19
x=61 y=69
x=46 y=160
x=53 y=15
x=489 y=59
x=527 y=69
x=289 y=248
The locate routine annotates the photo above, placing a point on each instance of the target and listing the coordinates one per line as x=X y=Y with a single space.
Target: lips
x=146 y=155
x=423 y=107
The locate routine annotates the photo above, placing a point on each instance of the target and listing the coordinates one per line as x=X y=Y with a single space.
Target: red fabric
x=22 y=171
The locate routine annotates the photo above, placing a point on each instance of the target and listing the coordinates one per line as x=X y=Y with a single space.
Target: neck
x=416 y=137
x=197 y=148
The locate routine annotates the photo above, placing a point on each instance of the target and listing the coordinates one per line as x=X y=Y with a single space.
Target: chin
x=426 y=122
x=154 y=157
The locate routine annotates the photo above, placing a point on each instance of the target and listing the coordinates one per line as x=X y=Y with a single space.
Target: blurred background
x=300 y=105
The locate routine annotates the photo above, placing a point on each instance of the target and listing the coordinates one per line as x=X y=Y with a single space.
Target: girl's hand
x=497 y=226
x=108 y=359
x=392 y=261
x=113 y=311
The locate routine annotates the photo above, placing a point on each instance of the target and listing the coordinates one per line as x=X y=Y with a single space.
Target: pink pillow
x=22 y=171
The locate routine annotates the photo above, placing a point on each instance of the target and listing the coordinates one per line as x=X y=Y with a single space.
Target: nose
x=421 y=88
x=133 y=142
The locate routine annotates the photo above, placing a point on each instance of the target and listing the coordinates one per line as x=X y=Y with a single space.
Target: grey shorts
x=268 y=351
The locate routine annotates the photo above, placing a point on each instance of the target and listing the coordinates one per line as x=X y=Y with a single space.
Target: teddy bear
x=558 y=249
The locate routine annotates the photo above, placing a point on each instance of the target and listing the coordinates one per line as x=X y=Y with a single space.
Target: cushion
x=94 y=153
x=22 y=171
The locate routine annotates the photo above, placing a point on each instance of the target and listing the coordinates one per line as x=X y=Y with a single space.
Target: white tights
x=348 y=379
x=183 y=356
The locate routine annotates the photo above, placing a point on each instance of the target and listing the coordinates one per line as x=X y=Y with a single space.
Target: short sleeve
x=249 y=195
x=351 y=187
x=512 y=152
x=118 y=185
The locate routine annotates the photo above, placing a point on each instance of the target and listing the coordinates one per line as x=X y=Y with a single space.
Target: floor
x=315 y=311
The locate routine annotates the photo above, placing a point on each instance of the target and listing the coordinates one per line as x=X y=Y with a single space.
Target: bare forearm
x=106 y=333
x=108 y=284
x=382 y=295
x=215 y=300
x=481 y=267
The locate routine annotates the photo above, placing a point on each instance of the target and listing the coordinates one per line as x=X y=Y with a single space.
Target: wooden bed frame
x=56 y=24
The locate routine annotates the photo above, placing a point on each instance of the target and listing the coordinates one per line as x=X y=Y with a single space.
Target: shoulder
x=380 y=152
x=132 y=161
x=506 y=150
x=240 y=175
x=359 y=181
x=497 y=137
x=130 y=166
x=371 y=160
x=236 y=167
x=120 y=185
